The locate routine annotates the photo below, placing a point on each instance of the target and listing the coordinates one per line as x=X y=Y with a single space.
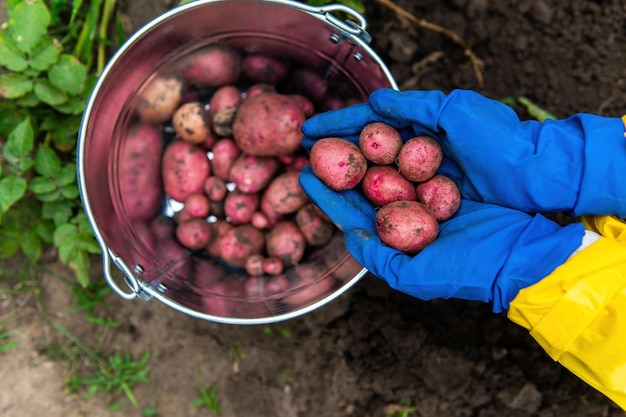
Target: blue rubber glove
x=484 y=253
x=575 y=165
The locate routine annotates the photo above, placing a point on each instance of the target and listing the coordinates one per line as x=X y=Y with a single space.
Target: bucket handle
x=355 y=28
x=107 y=257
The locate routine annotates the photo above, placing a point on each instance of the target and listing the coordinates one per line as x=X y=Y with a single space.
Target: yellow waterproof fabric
x=578 y=312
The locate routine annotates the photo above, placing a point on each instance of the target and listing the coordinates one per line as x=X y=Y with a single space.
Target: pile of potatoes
x=398 y=178
x=218 y=135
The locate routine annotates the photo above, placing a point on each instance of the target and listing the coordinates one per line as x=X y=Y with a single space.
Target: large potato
x=185 y=168
x=268 y=124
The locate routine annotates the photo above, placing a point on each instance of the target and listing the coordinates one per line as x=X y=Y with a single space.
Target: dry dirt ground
x=372 y=347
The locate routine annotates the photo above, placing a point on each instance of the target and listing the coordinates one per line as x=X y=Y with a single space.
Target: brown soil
x=373 y=347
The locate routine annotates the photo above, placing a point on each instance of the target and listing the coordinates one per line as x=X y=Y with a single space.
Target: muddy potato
x=185 y=168
x=191 y=123
x=338 y=163
x=441 y=195
x=222 y=109
x=160 y=98
x=285 y=242
x=284 y=193
x=407 y=226
x=420 y=158
x=383 y=184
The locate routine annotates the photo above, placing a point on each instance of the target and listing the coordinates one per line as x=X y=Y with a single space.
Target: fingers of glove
x=342 y=122
x=347 y=209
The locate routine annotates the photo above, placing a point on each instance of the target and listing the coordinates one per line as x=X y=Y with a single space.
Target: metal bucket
x=202 y=287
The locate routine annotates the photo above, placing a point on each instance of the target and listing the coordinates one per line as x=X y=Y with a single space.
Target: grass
x=209 y=399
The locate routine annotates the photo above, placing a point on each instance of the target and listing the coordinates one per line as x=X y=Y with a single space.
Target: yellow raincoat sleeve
x=578 y=312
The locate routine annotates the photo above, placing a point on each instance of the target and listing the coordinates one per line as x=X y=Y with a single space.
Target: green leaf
x=68 y=74
x=19 y=145
x=11 y=57
x=49 y=197
x=46 y=54
x=63 y=232
x=70 y=191
x=73 y=106
x=28 y=22
x=28 y=100
x=42 y=185
x=9 y=243
x=48 y=93
x=47 y=162
x=30 y=243
x=14 y=85
x=59 y=212
x=67 y=174
x=12 y=189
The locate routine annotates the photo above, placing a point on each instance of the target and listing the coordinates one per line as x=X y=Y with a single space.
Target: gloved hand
x=484 y=253
x=575 y=165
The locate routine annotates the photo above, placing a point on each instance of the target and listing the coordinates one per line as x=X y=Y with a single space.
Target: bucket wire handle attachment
x=129 y=278
x=357 y=27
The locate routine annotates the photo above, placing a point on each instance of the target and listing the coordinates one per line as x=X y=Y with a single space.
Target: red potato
x=139 y=173
x=268 y=124
x=284 y=194
x=380 y=143
x=252 y=173
x=195 y=234
x=407 y=226
x=239 y=206
x=160 y=98
x=383 y=184
x=197 y=205
x=224 y=152
x=420 y=158
x=239 y=243
x=191 y=123
x=222 y=109
x=441 y=195
x=306 y=105
x=221 y=227
x=213 y=66
x=266 y=208
x=185 y=168
x=285 y=242
x=317 y=231
x=273 y=265
x=338 y=163
x=215 y=188
x=254 y=265
x=265 y=68
x=259 y=220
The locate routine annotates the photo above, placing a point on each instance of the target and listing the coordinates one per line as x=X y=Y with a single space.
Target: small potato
x=252 y=173
x=383 y=184
x=241 y=242
x=160 y=98
x=225 y=151
x=273 y=265
x=222 y=109
x=407 y=226
x=211 y=67
x=239 y=206
x=270 y=214
x=265 y=68
x=338 y=163
x=286 y=242
x=380 y=143
x=185 y=167
x=197 y=205
x=259 y=220
x=284 y=193
x=139 y=173
x=254 y=265
x=441 y=195
x=195 y=234
x=317 y=231
x=215 y=188
x=268 y=124
x=220 y=227
x=191 y=123
x=420 y=158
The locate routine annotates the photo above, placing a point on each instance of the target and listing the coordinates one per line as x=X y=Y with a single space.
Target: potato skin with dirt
x=160 y=98
x=380 y=143
x=185 y=167
x=420 y=158
x=383 y=184
x=268 y=124
x=441 y=195
x=338 y=163
x=407 y=226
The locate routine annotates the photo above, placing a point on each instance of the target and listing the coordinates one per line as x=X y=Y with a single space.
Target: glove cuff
x=577 y=315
